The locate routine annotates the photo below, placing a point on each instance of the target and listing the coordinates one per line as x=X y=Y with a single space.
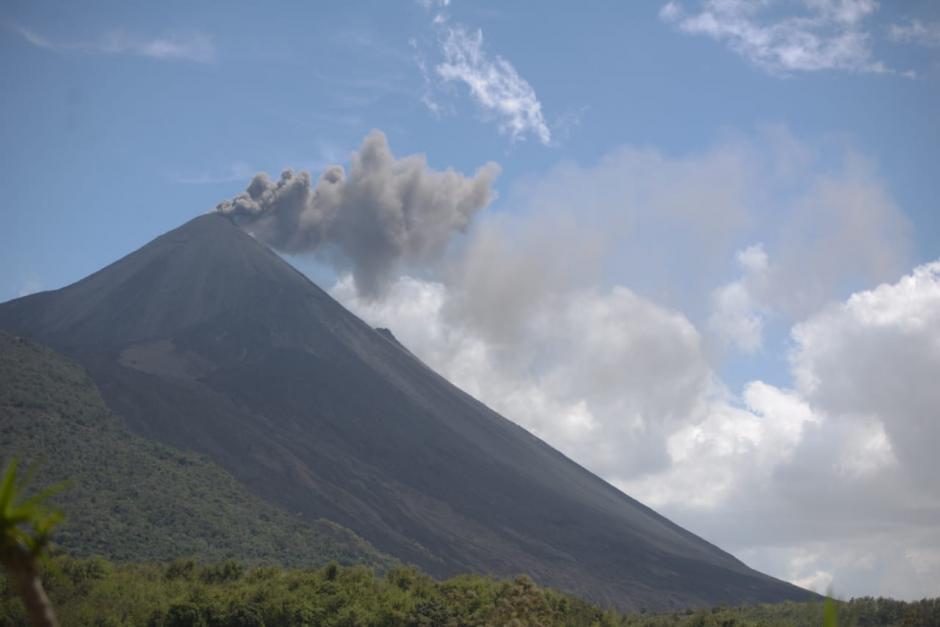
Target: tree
x=25 y=526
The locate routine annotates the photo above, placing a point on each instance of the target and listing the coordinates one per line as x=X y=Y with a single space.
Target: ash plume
x=384 y=213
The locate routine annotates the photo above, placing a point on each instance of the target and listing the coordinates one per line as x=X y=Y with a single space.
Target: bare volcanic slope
x=207 y=341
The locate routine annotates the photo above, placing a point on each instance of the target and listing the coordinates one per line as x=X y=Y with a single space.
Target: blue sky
x=721 y=172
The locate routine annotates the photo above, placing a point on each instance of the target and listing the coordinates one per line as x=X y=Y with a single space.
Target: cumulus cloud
x=707 y=457
x=833 y=481
x=493 y=82
x=622 y=385
x=595 y=287
x=737 y=318
x=877 y=355
x=882 y=563
x=196 y=47
x=583 y=314
x=824 y=35
x=387 y=212
x=601 y=374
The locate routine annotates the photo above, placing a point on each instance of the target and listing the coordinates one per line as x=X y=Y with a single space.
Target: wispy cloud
x=195 y=47
x=459 y=56
x=493 y=82
x=427 y=85
x=916 y=32
x=819 y=35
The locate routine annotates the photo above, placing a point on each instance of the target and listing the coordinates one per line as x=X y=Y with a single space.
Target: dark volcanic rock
x=206 y=340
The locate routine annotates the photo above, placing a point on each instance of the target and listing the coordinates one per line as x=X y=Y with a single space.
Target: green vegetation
x=26 y=524
x=132 y=499
x=95 y=592
x=182 y=592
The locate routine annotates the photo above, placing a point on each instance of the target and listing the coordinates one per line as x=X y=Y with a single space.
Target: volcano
x=208 y=341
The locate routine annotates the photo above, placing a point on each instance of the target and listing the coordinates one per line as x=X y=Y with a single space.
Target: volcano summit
x=208 y=341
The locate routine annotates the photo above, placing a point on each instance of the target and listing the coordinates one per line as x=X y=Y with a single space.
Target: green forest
x=97 y=592
x=134 y=499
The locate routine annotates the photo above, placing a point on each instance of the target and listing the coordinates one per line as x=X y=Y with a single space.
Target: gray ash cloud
x=384 y=213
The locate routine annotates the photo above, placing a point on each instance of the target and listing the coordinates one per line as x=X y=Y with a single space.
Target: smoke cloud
x=385 y=213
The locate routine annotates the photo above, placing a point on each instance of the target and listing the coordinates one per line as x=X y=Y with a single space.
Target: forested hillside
x=131 y=499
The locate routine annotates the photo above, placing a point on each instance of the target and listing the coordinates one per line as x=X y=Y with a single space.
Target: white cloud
x=753 y=259
x=196 y=47
x=737 y=318
x=916 y=32
x=709 y=457
x=835 y=481
x=878 y=355
x=621 y=384
x=866 y=450
x=577 y=315
x=596 y=373
x=493 y=82
x=819 y=581
x=924 y=561
x=892 y=564
x=458 y=55
x=824 y=35
x=427 y=93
